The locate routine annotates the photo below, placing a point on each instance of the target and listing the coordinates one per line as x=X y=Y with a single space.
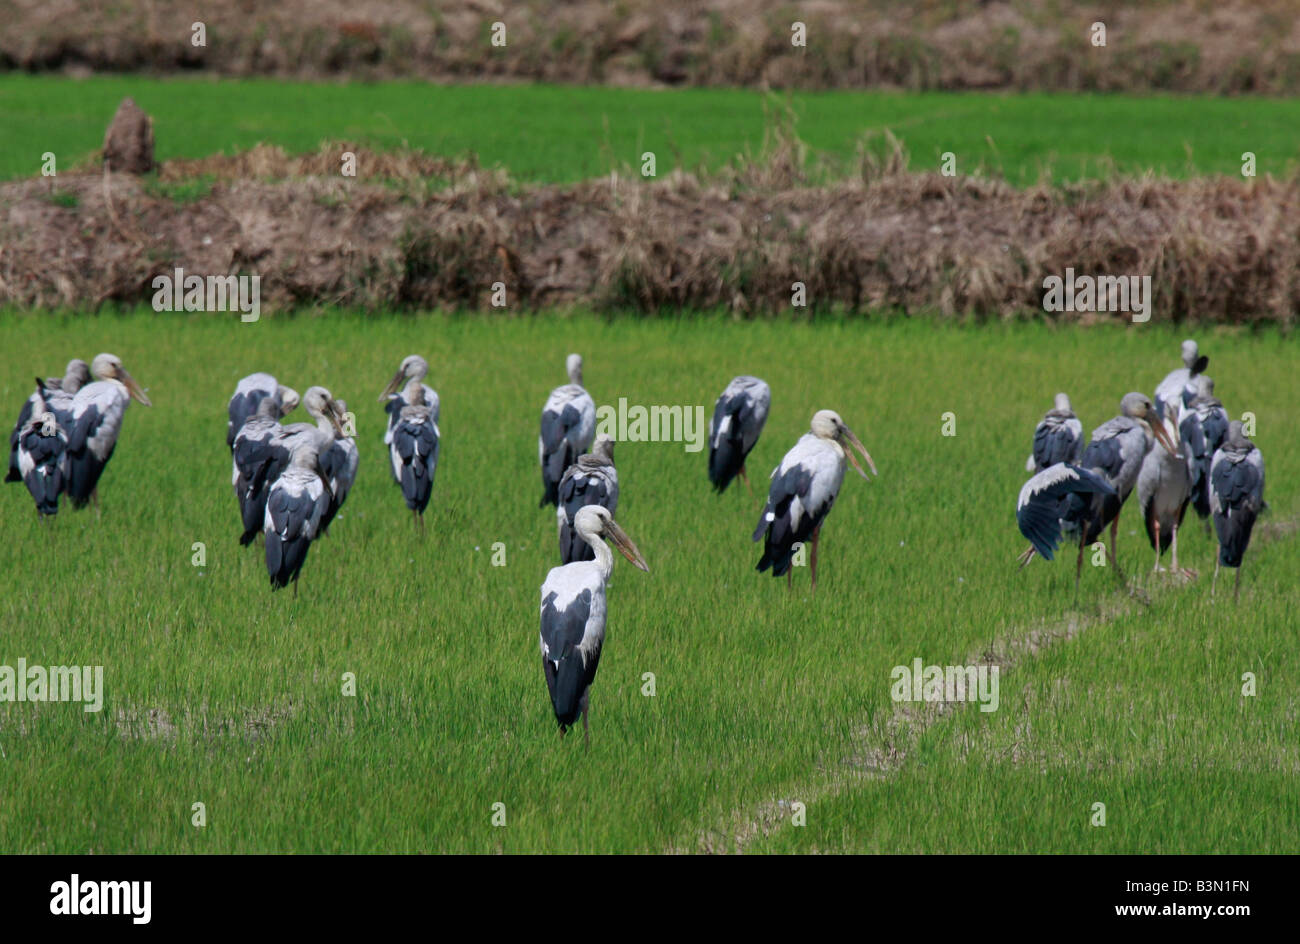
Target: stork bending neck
x=604 y=556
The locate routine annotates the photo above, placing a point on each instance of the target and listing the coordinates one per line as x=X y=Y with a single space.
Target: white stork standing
x=294 y=507
x=1116 y=452
x=1164 y=488
x=1044 y=501
x=414 y=445
x=41 y=443
x=568 y=426
x=592 y=480
x=1204 y=429
x=573 y=615
x=56 y=394
x=96 y=415
x=1057 y=438
x=804 y=487
x=1177 y=383
x=411 y=372
x=1236 y=497
x=251 y=391
x=339 y=465
x=738 y=419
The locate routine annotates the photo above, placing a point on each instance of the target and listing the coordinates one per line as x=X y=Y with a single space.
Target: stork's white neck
x=414 y=390
x=604 y=557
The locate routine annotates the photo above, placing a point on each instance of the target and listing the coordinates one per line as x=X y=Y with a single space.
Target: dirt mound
x=1235 y=46
x=1215 y=249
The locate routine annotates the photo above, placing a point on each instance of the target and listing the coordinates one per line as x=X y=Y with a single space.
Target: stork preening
x=413 y=448
x=804 y=488
x=1164 y=487
x=294 y=507
x=592 y=480
x=401 y=393
x=41 y=444
x=338 y=465
x=1236 y=497
x=96 y=417
x=1045 y=499
x=1057 y=438
x=1115 y=453
x=1204 y=429
x=738 y=419
x=568 y=426
x=251 y=391
x=56 y=394
x=1177 y=385
x=573 y=615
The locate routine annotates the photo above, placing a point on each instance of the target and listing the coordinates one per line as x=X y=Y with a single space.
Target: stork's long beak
x=1161 y=434
x=132 y=387
x=392 y=385
x=624 y=543
x=857 y=444
x=335 y=414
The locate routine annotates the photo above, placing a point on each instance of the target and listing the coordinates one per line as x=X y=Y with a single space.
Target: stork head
x=1138 y=406
x=1204 y=385
x=1237 y=438
x=76 y=376
x=413 y=367
x=826 y=424
x=1190 y=352
x=109 y=367
x=320 y=404
x=573 y=366
x=1062 y=404
x=604 y=447
x=595 y=521
x=288 y=400
x=49 y=424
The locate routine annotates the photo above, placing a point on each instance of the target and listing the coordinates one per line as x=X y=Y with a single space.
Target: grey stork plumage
x=96 y=417
x=1115 y=452
x=803 y=490
x=592 y=480
x=1045 y=499
x=400 y=393
x=1164 y=487
x=1204 y=429
x=568 y=427
x=738 y=419
x=338 y=465
x=1058 y=437
x=1236 y=497
x=1177 y=385
x=573 y=615
x=249 y=392
x=41 y=444
x=56 y=394
x=295 y=504
x=415 y=443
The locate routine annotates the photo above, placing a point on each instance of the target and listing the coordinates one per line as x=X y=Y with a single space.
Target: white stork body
x=415 y=442
x=1236 y=497
x=56 y=394
x=1057 y=438
x=573 y=615
x=294 y=507
x=251 y=391
x=803 y=490
x=96 y=417
x=1164 y=487
x=568 y=428
x=592 y=480
x=412 y=372
x=1178 y=384
x=738 y=419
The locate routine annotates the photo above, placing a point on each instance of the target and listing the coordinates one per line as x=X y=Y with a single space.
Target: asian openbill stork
x=738 y=419
x=400 y=393
x=1177 y=384
x=55 y=393
x=1164 y=487
x=41 y=444
x=1236 y=497
x=1044 y=500
x=96 y=416
x=573 y=615
x=1058 y=437
x=1115 y=452
x=414 y=445
x=251 y=391
x=804 y=487
x=1204 y=429
x=294 y=507
x=338 y=465
x=592 y=480
x=568 y=426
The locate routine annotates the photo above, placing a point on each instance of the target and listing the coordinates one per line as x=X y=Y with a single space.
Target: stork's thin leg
x=745 y=478
x=1114 y=546
x=1215 y=582
x=815 y=538
x=1156 y=568
x=788 y=584
x=1236 y=586
x=94 y=496
x=1078 y=567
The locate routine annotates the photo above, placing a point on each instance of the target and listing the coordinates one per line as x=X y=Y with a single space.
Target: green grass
x=762 y=694
x=546 y=133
